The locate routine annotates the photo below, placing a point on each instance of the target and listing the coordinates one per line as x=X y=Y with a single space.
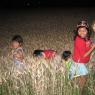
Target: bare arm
x=19 y=55
x=90 y=51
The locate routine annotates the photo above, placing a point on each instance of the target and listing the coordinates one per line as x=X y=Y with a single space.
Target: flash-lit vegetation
x=41 y=29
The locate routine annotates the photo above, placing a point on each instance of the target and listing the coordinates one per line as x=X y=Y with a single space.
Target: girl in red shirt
x=83 y=48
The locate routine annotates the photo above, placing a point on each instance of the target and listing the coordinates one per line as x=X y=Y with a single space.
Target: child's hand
x=91 y=55
x=93 y=45
x=90 y=51
x=19 y=55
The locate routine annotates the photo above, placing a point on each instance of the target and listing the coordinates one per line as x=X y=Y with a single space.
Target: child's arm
x=91 y=55
x=19 y=55
x=90 y=51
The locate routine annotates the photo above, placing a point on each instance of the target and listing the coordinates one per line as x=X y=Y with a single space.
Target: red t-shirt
x=49 y=53
x=81 y=47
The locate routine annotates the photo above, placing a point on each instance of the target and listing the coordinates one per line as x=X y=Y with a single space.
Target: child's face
x=82 y=32
x=15 y=44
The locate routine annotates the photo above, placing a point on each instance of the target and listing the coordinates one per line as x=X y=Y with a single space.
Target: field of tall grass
x=41 y=29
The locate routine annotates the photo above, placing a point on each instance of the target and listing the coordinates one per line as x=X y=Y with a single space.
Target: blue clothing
x=77 y=69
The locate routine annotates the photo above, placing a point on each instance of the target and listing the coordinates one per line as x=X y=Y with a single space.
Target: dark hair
x=82 y=24
x=66 y=55
x=37 y=53
x=18 y=38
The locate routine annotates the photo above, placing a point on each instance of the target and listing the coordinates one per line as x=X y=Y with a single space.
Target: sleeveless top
x=15 y=59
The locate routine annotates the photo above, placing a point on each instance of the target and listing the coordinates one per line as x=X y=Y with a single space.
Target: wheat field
x=50 y=28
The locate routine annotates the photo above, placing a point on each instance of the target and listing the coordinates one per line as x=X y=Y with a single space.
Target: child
x=82 y=52
x=66 y=56
x=47 y=54
x=17 y=53
x=38 y=53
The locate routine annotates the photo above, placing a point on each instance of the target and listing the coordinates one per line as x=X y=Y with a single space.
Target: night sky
x=45 y=3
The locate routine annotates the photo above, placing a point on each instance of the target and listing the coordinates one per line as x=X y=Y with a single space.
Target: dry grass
x=40 y=29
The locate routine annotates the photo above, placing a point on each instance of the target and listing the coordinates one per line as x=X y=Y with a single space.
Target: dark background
x=41 y=26
x=45 y=3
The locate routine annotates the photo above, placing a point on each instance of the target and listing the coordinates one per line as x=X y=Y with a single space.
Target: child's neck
x=86 y=39
x=67 y=60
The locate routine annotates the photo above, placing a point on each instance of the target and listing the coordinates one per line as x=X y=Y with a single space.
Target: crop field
x=41 y=29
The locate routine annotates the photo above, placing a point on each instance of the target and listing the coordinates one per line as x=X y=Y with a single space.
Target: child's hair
x=37 y=53
x=18 y=38
x=66 y=55
x=82 y=24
